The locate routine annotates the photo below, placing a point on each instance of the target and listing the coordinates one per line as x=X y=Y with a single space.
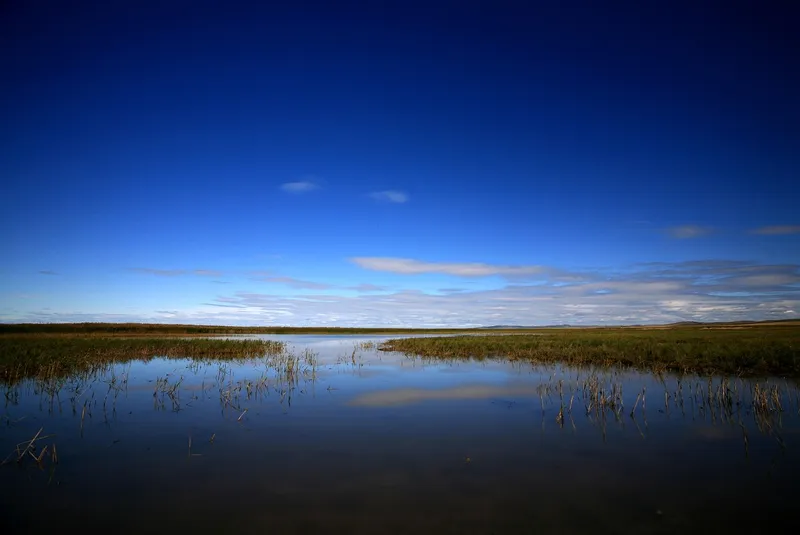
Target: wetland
x=556 y=431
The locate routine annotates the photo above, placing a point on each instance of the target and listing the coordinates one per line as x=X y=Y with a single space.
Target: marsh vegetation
x=751 y=351
x=44 y=356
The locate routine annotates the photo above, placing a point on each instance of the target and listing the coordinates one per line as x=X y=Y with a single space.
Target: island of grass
x=48 y=356
x=744 y=350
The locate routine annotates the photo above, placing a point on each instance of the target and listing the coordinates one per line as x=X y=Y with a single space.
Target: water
x=370 y=442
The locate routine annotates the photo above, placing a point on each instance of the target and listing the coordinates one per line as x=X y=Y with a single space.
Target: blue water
x=363 y=441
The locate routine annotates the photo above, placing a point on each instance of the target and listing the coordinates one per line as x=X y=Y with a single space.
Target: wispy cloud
x=367 y=288
x=207 y=273
x=685 y=232
x=777 y=230
x=393 y=196
x=409 y=266
x=295 y=283
x=160 y=272
x=47 y=272
x=656 y=292
x=708 y=290
x=178 y=272
x=302 y=186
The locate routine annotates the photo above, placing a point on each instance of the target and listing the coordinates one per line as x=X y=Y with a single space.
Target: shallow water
x=347 y=439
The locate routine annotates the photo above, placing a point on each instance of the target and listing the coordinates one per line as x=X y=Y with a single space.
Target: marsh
x=328 y=433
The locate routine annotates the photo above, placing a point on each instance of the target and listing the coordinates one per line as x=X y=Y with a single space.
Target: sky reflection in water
x=353 y=440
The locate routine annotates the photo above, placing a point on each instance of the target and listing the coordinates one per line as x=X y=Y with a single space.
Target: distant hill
x=562 y=326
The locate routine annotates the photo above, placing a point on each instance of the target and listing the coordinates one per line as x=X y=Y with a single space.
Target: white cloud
x=688 y=231
x=365 y=287
x=766 y=280
x=303 y=186
x=178 y=272
x=160 y=272
x=207 y=272
x=409 y=266
x=394 y=196
x=295 y=283
x=709 y=290
x=777 y=230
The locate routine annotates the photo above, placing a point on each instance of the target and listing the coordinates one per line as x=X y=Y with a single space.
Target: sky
x=399 y=164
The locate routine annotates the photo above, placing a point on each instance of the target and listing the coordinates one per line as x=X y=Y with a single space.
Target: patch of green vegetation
x=24 y=356
x=750 y=351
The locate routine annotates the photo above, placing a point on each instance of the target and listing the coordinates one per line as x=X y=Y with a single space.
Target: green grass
x=749 y=351
x=26 y=356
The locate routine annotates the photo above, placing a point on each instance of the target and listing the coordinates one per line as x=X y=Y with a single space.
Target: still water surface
x=348 y=439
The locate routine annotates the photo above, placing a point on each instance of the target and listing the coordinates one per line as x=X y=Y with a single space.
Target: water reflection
x=337 y=436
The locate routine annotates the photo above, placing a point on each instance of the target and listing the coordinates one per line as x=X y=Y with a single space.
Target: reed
x=755 y=351
x=23 y=357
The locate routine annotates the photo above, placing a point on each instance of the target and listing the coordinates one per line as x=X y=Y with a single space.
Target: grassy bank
x=751 y=351
x=24 y=356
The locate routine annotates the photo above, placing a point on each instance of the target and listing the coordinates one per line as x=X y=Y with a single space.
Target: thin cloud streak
x=777 y=230
x=160 y=272
x=685 y=232
x=178 y=272
x=47 y=272
x=393 y=196
x=303 y=186
x=410 y=266
x=653 y=293
x=664 y=293
x=296 y=283
x=365 y=287
x=207 y=273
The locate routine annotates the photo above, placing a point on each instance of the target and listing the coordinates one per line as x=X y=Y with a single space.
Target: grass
x=756 y=350
x=25 y=356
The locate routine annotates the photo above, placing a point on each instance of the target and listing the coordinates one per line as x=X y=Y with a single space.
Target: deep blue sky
x=147 y=147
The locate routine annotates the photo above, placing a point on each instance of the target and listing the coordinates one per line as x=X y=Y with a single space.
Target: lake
x=338 y=437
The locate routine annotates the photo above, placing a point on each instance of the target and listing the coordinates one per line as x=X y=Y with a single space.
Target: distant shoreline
x=133 y=329
x=191 y=329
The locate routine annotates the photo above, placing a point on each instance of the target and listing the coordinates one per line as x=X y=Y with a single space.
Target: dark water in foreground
x=338 y=441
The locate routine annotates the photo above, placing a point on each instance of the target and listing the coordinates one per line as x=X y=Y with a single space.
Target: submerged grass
x=750 y=351
x=25 y=356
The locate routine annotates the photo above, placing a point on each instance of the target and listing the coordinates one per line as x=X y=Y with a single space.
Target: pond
x=335 y=436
